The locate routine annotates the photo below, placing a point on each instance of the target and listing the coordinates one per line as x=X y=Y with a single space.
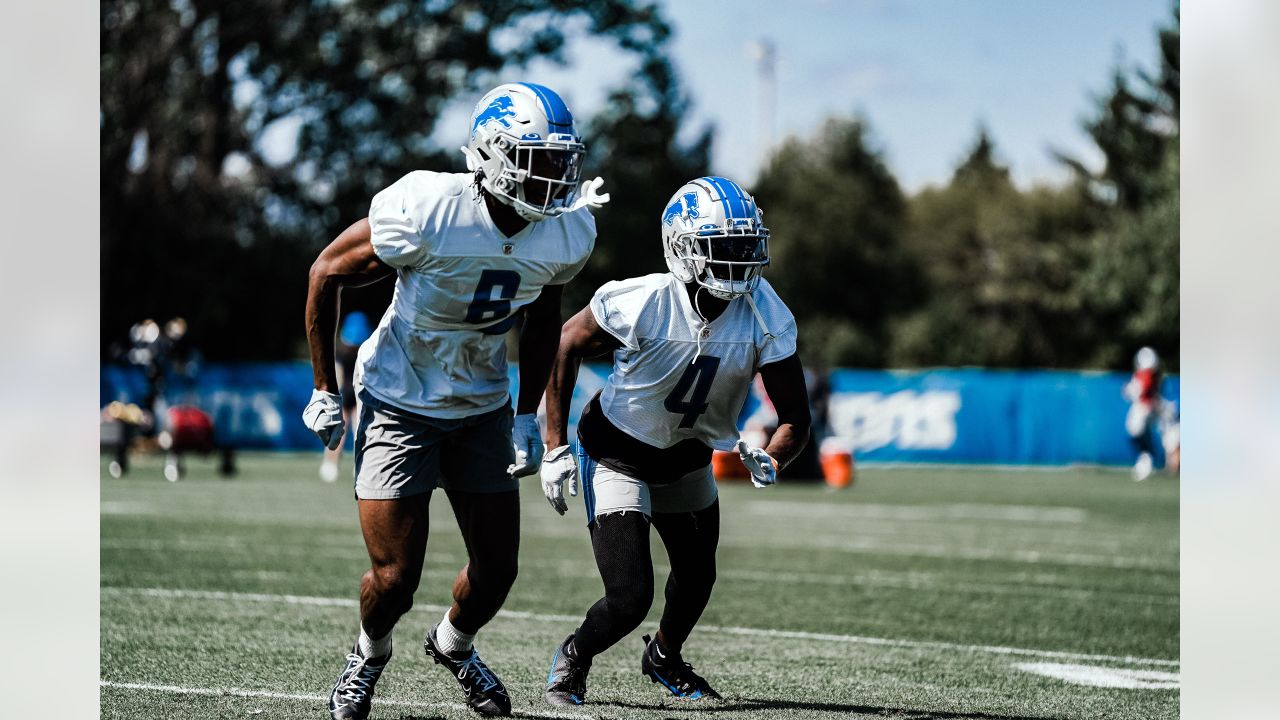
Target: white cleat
x=328 y=471
x=1143 y=468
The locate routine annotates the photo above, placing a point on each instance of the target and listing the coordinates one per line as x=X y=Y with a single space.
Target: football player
x=1146 y=409
x=470 y=252
x=686 y=345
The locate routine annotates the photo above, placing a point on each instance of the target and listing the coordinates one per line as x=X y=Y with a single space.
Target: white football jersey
x=676 y=377
x=439 y=349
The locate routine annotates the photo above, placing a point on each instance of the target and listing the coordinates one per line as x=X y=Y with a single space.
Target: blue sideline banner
x=1038 y=417
x=947 y=416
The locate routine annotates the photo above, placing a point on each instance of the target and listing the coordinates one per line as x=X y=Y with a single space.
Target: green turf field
x=921 y=593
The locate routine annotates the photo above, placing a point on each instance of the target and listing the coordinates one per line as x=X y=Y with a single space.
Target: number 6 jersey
x=676 y=377
x=439 y=349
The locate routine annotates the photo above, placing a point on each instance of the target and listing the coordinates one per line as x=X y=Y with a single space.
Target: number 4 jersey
x=439 y=349
x=677 y=378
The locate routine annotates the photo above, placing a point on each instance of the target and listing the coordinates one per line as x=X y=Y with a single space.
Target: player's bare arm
x=538 y=341
x=581 y=337
x=784 y=381
x=348 y=261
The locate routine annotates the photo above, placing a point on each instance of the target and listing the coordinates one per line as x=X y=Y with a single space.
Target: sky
x=925 y=75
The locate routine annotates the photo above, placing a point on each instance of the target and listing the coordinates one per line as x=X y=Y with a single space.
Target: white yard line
x=927 y=582
x=1105 y=677
x=725 y=630
x=921 y=513
x=911 y=581
x=869 y=546
x=268 y=695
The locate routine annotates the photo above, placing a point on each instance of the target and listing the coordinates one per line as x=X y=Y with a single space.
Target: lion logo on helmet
x=688 y=203
x=498 y=111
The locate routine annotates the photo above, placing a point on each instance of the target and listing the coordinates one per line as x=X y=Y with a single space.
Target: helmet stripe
x=734 y=199
x=557 y=112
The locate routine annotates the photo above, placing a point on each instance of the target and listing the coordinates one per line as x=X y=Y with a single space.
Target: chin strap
x=768 y=336
x=697 y=335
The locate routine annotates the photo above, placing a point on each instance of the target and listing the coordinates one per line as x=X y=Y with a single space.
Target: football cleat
x=483 y=690
x=567 y=679
x=1143 y=468
x=352 y=694
x=674 y=673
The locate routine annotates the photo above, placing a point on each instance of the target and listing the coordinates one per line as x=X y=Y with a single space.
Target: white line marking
x=930 y=513
x=924 y=581
x=1105 y=677
x=240 y=692
x=443 y=563
x=871 y=546
x=726 y=630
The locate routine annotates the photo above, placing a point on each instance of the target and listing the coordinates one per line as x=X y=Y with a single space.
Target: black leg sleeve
x=690 y=540
x=621 y=545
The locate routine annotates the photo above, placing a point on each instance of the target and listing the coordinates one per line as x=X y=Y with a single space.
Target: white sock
x=371 y=648
x=451 y=639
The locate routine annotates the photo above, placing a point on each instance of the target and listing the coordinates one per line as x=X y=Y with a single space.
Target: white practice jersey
x=439 y=349
x=676 y=377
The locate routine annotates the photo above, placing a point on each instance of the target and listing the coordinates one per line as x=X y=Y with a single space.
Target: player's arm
x=538 y=340
x=538 y=337
x=784 y=382
x=348 y=261
x=580 y=337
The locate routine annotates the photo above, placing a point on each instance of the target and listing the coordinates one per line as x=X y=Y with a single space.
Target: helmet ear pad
x=679 y=261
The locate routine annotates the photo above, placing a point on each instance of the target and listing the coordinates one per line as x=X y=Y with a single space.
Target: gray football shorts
x=400 y=453
x=606 y=490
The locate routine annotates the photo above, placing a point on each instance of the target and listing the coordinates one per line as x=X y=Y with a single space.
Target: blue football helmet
x=713 y=233
x=527 y=149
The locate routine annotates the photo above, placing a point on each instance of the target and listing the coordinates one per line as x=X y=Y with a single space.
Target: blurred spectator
x=164 y=355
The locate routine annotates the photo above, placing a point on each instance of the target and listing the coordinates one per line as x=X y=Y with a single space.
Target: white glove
x=558 y=466
x=763 y=469
x=324 y=416
x=589 y=197
x=527 y=438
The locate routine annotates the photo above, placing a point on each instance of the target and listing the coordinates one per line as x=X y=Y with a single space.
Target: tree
x=1130 y=287
x=199 y=217
x=836 y=215
x=1001 y=266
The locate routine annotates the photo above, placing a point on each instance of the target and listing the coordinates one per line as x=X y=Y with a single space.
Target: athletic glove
x=590 y=196
x=324 y=416
x=527 y=439
x=763 y=469
x=558 y=466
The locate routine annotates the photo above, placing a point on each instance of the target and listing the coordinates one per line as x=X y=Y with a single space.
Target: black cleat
x=352 y=694
x=484 y=691
x=674 y=673
x=567 y=679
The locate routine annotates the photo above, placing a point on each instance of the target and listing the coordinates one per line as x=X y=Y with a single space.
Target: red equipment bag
x=191 y=429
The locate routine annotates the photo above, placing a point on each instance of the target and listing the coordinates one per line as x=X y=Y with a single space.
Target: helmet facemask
x=727 y=260
x=546 y=175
